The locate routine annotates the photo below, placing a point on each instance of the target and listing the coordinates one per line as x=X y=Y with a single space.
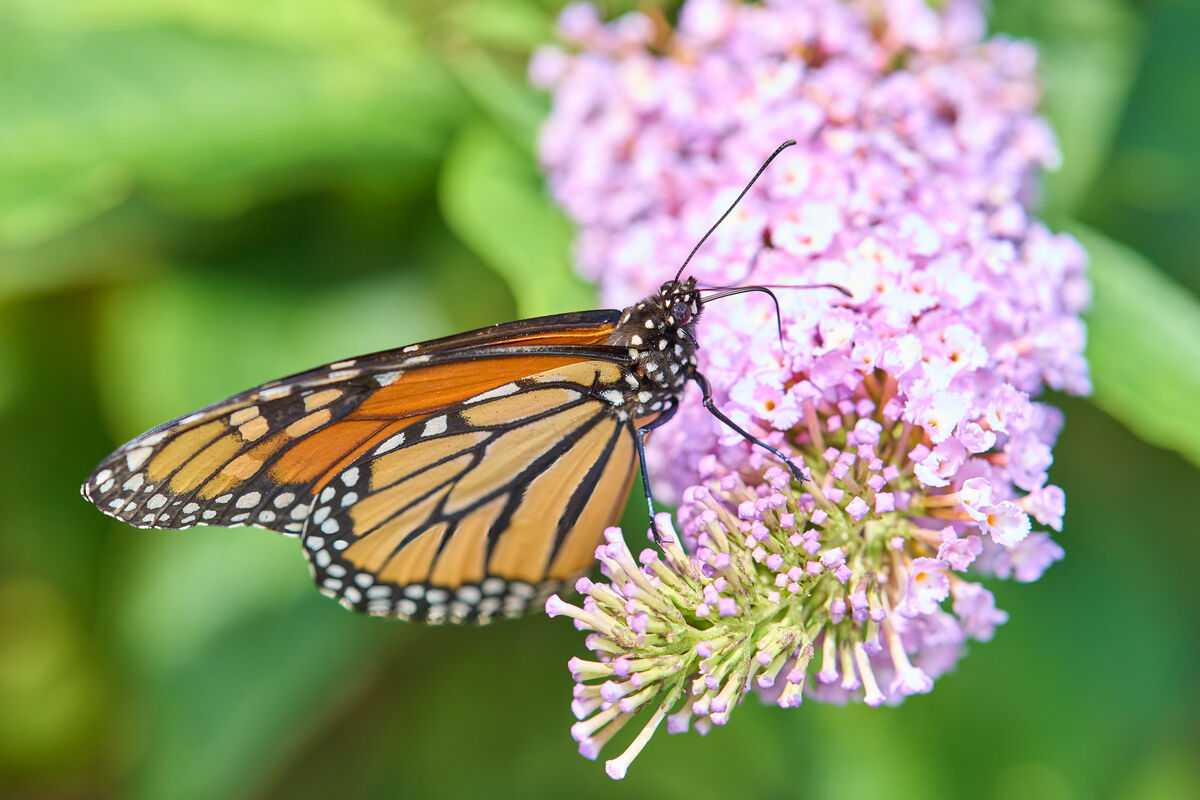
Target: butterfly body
x=457 y=480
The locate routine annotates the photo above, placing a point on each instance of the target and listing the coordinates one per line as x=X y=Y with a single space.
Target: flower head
x=911 y=401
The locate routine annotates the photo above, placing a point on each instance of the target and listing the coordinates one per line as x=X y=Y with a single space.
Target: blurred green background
x=199 y=195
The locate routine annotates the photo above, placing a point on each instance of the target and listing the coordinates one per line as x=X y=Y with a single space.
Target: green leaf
x=493 y=198
x=1144 y=346
x=1089 y=53
x=350 y=26
x=202 y=111
x=510 y=102
x=513 y=24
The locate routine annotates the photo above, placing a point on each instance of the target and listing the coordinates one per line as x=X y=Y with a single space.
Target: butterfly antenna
x=726 y=291
x=743 y=290
x=733 y=205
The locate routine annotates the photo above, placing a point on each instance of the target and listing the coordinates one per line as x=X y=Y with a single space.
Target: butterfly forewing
x=255 y=458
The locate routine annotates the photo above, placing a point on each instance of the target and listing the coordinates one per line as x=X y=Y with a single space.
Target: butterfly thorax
x=660 y=334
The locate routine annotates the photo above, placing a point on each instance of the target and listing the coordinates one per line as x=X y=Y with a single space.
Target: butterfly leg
x=640 y=440
x=799 y=473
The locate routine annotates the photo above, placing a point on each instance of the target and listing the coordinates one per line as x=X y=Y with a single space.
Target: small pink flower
x=928 y=585
x=1006 y=523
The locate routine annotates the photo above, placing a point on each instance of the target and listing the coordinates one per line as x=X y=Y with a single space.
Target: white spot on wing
x=435 y=426
x=491 y=394
x=135 y=458
x=390 y=444
x=248 y=500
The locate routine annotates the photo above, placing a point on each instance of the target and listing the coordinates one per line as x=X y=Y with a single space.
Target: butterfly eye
x=682 y=312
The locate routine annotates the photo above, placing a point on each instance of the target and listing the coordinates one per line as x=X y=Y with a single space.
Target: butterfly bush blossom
x=910 y=401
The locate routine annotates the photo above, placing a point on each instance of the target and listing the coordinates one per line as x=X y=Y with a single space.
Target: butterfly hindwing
x=481 y=509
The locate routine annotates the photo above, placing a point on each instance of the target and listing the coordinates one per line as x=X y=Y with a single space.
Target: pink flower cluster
x=911 y=401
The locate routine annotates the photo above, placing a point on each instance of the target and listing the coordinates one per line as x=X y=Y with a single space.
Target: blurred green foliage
x=198 y=195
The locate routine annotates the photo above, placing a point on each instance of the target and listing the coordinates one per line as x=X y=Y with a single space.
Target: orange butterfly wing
x=257 y=457
x=482 y=509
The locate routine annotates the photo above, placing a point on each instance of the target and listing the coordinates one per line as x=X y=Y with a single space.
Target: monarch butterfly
x=458 y=479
